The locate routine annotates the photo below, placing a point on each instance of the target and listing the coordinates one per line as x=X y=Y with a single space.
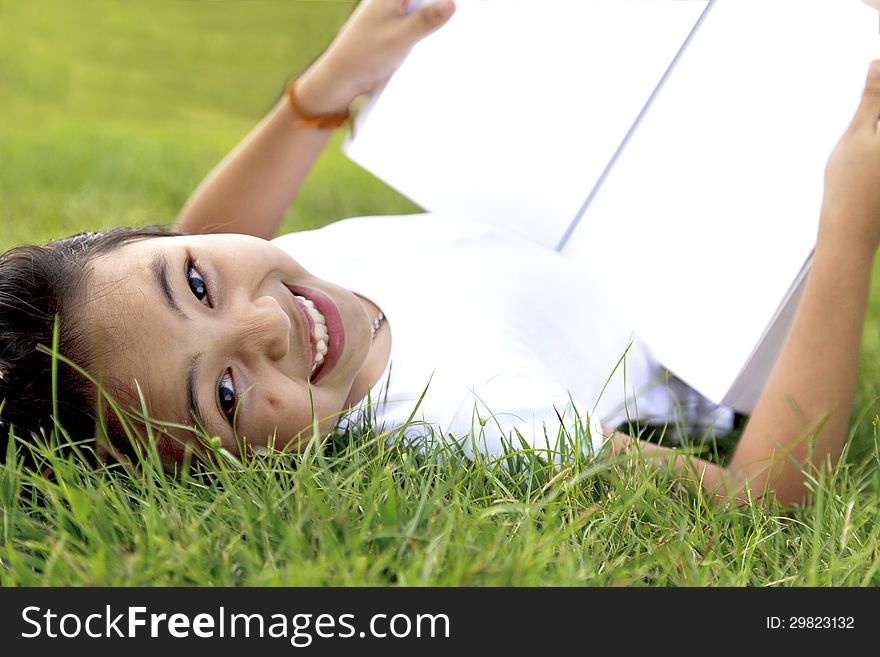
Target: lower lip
x=336 y=340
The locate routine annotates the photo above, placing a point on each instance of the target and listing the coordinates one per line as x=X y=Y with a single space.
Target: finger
x=429 y=18
x=869 y=109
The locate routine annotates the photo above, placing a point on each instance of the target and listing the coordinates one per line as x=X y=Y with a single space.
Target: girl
x=437 y=325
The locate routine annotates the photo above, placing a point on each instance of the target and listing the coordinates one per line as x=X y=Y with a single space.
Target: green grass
x=111 y=113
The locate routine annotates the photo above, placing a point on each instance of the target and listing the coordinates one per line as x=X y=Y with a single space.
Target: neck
x=377 y=357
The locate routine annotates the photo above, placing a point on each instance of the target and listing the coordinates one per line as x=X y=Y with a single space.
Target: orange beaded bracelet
x=323 y=122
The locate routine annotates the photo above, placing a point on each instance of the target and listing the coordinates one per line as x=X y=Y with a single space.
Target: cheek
x=171 y=449
x=277 y=410
x=281 y=260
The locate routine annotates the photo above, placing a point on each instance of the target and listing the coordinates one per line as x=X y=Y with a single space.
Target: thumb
x=430 y=17
x=869 y=109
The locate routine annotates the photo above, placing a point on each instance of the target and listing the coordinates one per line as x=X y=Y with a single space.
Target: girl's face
x=230 y=332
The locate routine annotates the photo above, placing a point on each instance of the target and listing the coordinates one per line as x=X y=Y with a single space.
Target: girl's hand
x=851 y=208
x=370 y=46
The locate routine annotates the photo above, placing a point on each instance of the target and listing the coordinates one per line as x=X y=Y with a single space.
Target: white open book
x=674 y=148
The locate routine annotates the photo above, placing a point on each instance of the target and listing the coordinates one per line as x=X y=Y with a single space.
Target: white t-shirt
x=498 y=337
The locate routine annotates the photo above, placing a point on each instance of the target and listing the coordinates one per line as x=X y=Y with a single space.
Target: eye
x=226 y=395
x=197 y=283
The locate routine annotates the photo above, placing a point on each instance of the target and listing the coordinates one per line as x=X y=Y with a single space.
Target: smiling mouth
x=326 y=329
x=320 y=336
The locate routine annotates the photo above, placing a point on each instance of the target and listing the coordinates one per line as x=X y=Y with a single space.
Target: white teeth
x=320 y=334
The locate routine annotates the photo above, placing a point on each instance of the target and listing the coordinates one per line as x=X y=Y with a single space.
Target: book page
x=511 y=112
x=744 y=392
x=711 y=211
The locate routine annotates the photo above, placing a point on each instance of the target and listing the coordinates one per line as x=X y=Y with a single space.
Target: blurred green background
x=112 y=112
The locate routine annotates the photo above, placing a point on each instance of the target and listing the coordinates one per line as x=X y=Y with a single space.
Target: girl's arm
x=801 y=418
x=251 y=189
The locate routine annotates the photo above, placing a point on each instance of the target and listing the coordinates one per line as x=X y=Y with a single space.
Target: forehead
x=130 y=262
x=130 y=326
x=121 y=284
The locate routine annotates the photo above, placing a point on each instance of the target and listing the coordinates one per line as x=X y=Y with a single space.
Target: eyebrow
x=160 y=266
x=160 y=273
x=193 y=407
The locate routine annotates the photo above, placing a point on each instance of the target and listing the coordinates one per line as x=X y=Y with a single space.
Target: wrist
x=319 y=93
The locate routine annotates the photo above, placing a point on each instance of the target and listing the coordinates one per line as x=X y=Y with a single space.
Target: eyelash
x=230 y=412
x=192 y=266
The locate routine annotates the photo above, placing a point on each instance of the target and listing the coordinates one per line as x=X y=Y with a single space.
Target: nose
x=264 y=328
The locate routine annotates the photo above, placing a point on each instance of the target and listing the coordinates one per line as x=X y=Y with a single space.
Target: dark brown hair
x=37 y=284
